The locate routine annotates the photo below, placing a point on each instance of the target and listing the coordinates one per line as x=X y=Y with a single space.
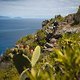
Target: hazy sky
x=37 y=8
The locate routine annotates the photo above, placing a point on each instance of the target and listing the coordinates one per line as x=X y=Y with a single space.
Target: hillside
x=59 y=52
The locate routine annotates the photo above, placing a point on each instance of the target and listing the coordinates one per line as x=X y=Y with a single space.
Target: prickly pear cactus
x=34 y=59
x=35 y=56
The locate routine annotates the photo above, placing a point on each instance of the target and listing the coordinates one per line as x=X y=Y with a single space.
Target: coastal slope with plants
x=46 y=55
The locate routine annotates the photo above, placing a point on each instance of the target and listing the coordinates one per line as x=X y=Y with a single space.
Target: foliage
x=33 y=44
x=35 y=56
x=68 y=56
x=41 y=37
x=62 y=64
x=41 y=34
x=24 y=39
x=59 y=18
x=9 y=73
x=34 y=59
x=5 y=56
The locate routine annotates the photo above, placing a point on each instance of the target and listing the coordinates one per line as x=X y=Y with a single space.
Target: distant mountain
x=4 y=17
x=7 y=17
x=17 y=17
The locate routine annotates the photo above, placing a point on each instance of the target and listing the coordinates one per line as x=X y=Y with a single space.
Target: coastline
x=56 y=53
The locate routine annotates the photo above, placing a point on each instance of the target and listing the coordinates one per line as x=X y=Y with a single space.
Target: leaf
x=59 y=53
x=35 y=56
x=59 y=60
x=23 y=75
x=26 y=57
x=77 y=60
x=33 y=72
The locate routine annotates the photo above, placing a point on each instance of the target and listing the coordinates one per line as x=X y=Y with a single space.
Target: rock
x=49 y=36
x=48 y=49
x=44 y=23
x=71 y=30
x=48 y=45
x=53 y=40
x=69 y=18
x=77 y=16
x=17 y=46
x=48 y=31
x=57 y=36
x=0 y=58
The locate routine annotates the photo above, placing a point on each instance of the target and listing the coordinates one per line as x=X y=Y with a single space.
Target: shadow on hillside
x=21 y=62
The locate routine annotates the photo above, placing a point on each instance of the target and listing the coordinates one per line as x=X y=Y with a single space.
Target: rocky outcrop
x=68 y=29
x=48 y=45
x=44 y=23
x=69 y=18
x=53 y=40
x=77 y=16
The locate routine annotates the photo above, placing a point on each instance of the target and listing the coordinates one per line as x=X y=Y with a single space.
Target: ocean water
x=12 y=30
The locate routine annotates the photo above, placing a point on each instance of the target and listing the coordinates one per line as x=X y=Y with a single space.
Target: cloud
x=37 y=8
x=10 y=0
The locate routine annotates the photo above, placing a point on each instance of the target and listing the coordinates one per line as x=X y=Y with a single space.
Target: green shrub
x=33 y=44
x=24 y=39
x=41 y=37
x=59 y=18
x=68 y=57
x=9 y=73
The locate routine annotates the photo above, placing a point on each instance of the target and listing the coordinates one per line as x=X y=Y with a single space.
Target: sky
x=37 y=8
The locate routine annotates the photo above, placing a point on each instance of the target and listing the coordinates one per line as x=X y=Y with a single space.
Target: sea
x=11 y=30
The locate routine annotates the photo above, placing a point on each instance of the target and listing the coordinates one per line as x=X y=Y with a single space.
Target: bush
x=41 y=37
x=24 y=39
x=59 y=18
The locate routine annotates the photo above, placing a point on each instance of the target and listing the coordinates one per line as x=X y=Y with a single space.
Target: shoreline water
x=13 y=30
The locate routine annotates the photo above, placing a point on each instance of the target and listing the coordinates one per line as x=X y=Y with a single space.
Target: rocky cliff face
x=69 y=18
x=77 y=16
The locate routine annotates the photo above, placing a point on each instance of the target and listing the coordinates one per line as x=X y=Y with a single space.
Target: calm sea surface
x=12 y=30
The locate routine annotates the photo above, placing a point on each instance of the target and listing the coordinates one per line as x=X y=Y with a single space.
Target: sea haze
x=12 y=30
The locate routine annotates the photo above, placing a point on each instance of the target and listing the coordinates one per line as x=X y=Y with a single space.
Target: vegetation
x=61 y=64
x=26 y=38
x=59 y=18
x=28 y=60
x=41 y=37
x=9 y=73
